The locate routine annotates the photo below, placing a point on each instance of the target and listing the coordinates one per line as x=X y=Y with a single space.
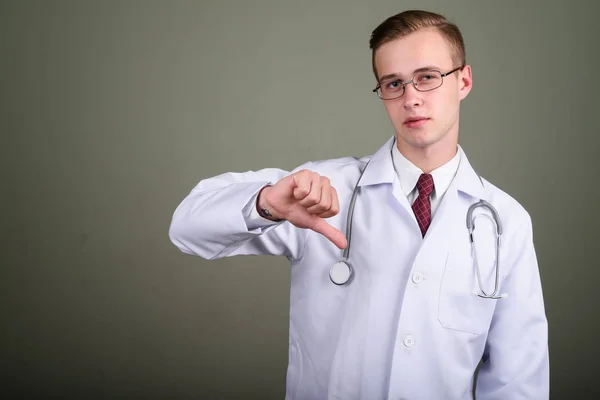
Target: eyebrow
x=426 y=68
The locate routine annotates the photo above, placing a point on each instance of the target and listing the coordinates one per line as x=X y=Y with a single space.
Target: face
x=423 y=120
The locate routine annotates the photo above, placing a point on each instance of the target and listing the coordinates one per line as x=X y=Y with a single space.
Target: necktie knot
x=425 y=185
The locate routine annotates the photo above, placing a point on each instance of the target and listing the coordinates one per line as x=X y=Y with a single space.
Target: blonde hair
x=410 y=21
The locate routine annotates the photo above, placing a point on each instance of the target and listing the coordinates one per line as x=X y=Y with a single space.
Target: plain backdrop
x=111 y=111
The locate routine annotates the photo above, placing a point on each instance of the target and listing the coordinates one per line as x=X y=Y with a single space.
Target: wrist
x=263 y=207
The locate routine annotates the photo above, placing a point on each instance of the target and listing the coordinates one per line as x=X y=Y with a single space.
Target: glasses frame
x=412 y=80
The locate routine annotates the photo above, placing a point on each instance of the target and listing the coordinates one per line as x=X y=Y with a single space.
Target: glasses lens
x=391 y=89
x=428 y=80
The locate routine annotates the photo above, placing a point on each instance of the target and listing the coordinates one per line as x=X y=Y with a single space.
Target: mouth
x=413 y=122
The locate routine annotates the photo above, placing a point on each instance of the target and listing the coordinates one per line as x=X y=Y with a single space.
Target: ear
x=465 y=81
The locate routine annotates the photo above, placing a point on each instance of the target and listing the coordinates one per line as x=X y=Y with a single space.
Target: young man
x=415 y=312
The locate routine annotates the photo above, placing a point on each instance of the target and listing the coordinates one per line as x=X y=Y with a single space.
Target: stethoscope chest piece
x=341 y=273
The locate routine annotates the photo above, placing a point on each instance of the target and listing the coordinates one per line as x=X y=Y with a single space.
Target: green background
x=111 y=111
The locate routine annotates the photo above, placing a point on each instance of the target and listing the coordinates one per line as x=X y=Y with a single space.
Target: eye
x=427 y=77
x=393 y=85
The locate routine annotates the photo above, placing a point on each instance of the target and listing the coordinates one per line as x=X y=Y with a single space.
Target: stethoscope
x=342 y=272
x=471 y=227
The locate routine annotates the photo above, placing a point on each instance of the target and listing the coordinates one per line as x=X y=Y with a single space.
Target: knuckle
x=335 y=207
x=316 y=178
x=313 y=198
x=302 y=190
x=302 y=175
x=325 y=202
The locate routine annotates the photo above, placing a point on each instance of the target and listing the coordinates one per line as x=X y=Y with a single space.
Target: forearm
x=207 y=222
x=220 y=218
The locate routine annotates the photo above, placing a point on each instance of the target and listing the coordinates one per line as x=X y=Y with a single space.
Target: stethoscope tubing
x=342 y=272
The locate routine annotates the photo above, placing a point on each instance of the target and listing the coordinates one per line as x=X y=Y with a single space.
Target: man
x=417 y=313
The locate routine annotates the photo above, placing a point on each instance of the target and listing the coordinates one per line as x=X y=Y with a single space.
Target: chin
x=418 y=139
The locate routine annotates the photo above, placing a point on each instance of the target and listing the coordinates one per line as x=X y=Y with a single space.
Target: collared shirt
x=408 y=175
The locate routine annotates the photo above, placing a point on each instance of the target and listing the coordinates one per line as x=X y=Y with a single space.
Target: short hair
x=407 y=22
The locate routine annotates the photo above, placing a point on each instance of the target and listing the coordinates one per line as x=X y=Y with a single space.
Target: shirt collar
x=380 y=169
x=408 y=173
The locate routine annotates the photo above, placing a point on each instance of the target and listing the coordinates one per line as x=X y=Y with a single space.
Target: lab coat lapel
x=468 y=181
x=381 y=170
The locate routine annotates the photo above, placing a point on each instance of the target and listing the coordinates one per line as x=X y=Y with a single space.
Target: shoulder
x=512 y=213
x=517 y=230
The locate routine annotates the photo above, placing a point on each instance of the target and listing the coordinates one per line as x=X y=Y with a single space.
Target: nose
x=412 y=97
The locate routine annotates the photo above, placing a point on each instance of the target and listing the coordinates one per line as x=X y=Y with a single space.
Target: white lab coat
x=409 y=325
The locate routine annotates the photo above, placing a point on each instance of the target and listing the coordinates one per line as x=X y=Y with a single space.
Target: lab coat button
x=409 y=341
x=417 y=277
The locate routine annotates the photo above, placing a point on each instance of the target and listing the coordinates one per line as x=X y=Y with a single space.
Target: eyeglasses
x=423 y=81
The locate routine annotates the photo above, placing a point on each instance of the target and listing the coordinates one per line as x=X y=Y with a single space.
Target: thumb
x=331 y=233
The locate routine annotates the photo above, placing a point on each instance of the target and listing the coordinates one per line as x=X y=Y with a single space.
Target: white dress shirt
x=408 y=175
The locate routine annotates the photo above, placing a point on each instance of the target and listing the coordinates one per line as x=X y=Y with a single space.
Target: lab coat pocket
x=459 y=306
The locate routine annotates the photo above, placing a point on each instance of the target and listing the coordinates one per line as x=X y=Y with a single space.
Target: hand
x=304 y=199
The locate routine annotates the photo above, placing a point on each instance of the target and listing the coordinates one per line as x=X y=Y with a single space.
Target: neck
x=428 y=158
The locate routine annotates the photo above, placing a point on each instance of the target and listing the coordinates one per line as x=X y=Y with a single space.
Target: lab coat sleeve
x=216 y=219
x=253 y=218
x=516 y=355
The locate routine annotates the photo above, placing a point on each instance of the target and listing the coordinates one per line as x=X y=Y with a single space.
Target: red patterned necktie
x=422 y=206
